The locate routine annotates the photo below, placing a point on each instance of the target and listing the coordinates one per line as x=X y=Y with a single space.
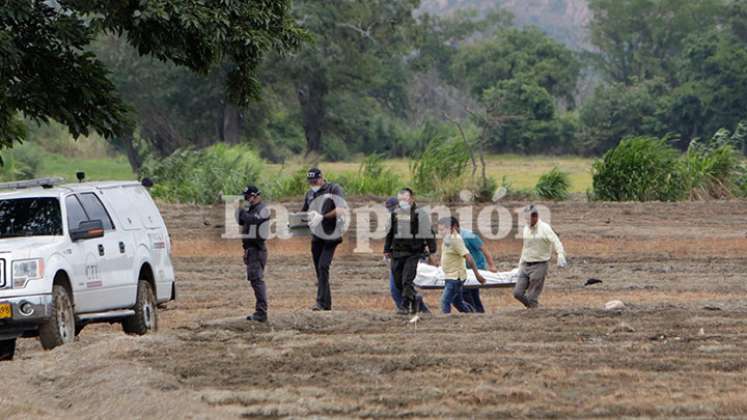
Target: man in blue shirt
x=483 y=260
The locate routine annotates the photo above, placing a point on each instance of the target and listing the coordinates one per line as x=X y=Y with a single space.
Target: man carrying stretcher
x=410 y=238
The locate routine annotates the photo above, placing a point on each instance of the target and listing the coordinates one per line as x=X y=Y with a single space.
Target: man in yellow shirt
x=539 y=241
x=453 y=256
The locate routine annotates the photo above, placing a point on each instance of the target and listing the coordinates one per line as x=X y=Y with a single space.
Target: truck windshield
x=30 y=217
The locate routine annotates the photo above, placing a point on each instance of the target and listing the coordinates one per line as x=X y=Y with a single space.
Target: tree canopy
x=49 y=72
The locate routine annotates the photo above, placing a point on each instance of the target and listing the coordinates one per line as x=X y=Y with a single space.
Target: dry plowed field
x=678 y=349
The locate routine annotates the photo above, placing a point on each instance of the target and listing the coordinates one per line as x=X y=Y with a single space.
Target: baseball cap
x=251 y=190
x=314 y=173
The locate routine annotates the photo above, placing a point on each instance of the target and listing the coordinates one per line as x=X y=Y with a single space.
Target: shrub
x=203 y=176
x=21 y=162
x=373 y=178
x=553 y=185
x=286 y=186
x=742 y=181
x=485 y=189
x=640 y=169
x=713 y=168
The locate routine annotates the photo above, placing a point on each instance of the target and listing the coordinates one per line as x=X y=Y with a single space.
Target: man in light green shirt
x=453 y=256
x=539 y=241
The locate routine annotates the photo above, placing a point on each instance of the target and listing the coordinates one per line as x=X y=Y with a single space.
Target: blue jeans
x=453 y=295
x=397 y=296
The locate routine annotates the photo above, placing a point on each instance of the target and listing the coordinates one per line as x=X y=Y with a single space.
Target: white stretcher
x=431 y=277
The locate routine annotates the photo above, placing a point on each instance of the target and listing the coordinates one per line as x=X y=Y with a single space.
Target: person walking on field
x=409 y=239
x=454 y=254
x=539 y=241
x=255 y=229
x=483 y=260
x=325 y=221
x=391 y=205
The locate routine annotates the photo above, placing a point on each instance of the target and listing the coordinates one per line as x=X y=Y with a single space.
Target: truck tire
x=7 y=349
x=60 y=328
x=145 y=319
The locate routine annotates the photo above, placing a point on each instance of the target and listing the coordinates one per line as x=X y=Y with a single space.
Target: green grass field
x=522 y=172
x=116 y=168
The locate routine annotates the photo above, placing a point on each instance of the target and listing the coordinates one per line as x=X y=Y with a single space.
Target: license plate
x=6 y=311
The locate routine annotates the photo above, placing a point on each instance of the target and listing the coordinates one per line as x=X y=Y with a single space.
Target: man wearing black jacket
x=410 y=238
x=324 y=206
x=255 y=230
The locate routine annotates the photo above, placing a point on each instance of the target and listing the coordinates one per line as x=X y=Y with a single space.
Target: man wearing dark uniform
x=325 y=222
x=255 y=229
x=410 y=238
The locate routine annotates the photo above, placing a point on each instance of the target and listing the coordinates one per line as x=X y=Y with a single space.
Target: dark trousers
x=397 y=296
x=256 y=260
x=472 y=298
x=323 y=252
x=404 y=270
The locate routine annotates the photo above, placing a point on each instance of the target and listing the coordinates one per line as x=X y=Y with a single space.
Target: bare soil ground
x=677 y=350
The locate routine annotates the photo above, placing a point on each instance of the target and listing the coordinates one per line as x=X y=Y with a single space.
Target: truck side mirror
x=87 y=230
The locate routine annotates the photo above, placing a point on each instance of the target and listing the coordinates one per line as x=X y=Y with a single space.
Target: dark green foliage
x=641 y=39
x=714 y=168
x=616 y=111
x=640 y=169
x=373 y=178
x=48 y=71
x=203 y=176
x=526 y=54
x=553 y=185
x=520 y=76
x=353 y=68
x=442 y=167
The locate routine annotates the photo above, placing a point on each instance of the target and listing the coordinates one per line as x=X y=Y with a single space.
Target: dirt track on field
x=677 y=350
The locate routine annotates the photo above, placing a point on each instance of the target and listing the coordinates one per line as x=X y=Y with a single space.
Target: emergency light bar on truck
x=31 y=183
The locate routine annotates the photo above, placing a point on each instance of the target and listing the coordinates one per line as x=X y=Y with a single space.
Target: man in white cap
x=539 y=241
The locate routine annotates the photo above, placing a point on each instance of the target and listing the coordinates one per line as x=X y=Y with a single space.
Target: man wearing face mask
x=325 y=221
x=409 y=239
x=255 y=229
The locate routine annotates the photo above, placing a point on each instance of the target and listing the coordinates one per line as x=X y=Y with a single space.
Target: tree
x=641 y=39
x=617 y=111
x=513 y=53
x=48 y=72
x=521 y=77
x=357 y=53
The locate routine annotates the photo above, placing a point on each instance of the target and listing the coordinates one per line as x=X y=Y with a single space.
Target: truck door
x=121 y=283
x=86 y=259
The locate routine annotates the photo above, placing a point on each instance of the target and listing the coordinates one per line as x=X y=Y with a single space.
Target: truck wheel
x=7 y=349
x=60 y=328
x=145 y=319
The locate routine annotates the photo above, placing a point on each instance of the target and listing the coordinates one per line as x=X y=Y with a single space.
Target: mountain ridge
x=564 y=20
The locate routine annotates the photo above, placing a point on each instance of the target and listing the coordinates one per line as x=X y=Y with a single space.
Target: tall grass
x=714 y=168
x=553 y=185
x=442 y=169
x=21 y=162
x=203 y=176
x=373 y=178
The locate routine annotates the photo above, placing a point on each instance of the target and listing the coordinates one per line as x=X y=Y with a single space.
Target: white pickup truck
x=75 y=254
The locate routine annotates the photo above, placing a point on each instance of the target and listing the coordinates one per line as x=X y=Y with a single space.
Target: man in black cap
x=255 y=230
x=410 y=238
x=324 y=205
